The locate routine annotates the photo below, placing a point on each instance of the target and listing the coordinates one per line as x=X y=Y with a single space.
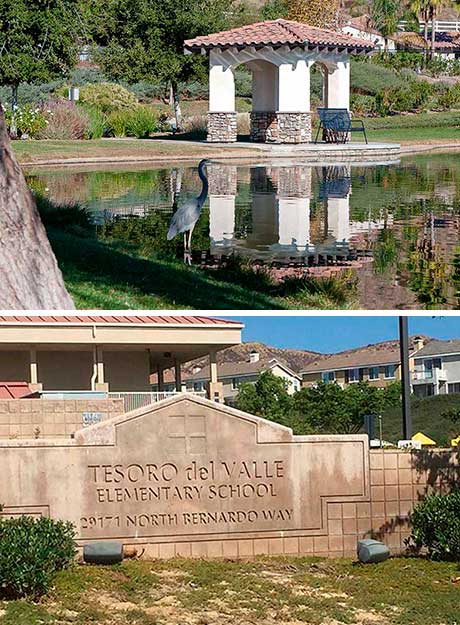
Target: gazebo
x=280 y=53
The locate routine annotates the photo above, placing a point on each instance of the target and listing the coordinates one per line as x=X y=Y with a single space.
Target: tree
x=39 y=42
x=146 y=40
x=315 y=12
x=274 y=9
x=267 y=398
x=385 y=14
x=29 y=274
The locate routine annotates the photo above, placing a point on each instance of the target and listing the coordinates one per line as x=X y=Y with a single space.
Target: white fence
x=135 y=400
x=439 y=26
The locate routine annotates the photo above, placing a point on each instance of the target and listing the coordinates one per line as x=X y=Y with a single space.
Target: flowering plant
x=29 y=121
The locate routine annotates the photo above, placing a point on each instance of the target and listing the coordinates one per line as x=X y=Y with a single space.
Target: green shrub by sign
x=31 y=552
x=436 y=526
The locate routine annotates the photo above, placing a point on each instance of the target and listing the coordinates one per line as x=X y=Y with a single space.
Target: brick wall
x=51 y=418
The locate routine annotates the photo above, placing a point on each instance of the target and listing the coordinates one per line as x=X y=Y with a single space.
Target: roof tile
x=115 y=320
x=278 y=32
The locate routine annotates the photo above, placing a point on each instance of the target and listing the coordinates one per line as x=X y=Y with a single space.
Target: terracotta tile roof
x=444 y=41
x=15 y=390
x=365 y=23
x=277 y=32
x=114 y=320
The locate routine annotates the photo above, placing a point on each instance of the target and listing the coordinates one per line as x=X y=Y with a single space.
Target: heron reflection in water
x=186 y=216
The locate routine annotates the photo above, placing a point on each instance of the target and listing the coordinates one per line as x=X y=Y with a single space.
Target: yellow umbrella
x=424 y=440
x=455 y=441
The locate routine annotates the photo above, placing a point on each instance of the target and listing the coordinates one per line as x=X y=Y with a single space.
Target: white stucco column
x=338 y=218
x=294 y=222
x=215 y=388
x=101 y=384
x=33 y=371
x=294 y=87
x=222 y=114
x=338 y=86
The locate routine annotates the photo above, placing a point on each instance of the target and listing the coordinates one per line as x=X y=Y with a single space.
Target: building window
x=454 y=387
x=328 y=376
x=235 y=384
x=390 y=372
x=373 y=373
x=198 y=386
x=353 y=375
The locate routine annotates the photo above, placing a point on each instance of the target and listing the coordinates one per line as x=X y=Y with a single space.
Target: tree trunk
x=433 y=34
x=425 y=33
x=29 y=275
x=176 y=105
x=14 y=111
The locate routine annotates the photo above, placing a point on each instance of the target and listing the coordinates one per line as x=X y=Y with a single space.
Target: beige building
x=66 y=356
x=378 y=364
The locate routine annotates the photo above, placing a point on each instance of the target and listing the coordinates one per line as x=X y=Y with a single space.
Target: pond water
x=396 y=227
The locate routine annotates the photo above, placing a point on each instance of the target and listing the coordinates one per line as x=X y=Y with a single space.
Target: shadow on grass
x=97 y=274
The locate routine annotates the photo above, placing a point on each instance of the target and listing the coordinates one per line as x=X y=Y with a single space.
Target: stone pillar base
x=222 y=127
x=215 y=391
x=280 y=127
x=102 y=386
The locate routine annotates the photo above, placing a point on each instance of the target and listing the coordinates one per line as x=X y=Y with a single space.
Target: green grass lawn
x=112 y=275
x=267 y=591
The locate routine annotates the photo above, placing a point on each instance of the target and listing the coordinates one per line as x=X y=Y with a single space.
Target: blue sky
x=335 y=333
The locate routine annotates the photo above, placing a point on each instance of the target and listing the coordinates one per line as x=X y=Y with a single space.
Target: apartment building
x=436 y=369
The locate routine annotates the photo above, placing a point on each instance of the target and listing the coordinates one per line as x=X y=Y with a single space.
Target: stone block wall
x=280 y=127
x=52 y=418
x=222 y=127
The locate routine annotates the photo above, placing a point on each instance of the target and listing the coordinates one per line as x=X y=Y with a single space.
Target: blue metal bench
x=337 y=125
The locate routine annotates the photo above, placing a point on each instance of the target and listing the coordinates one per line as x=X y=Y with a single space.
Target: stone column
x=293 y=115
x=215 y=388
x=222 y=127
x=34 y=384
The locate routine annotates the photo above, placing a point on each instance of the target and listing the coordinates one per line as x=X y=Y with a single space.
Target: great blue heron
x=186 y=216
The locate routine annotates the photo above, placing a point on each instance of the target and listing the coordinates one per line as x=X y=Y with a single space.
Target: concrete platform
x=320 y=152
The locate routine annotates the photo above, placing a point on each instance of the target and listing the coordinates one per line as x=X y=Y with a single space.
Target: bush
x=450 y=98
x=142 y=122
x=65 y=121
x=117 y=123
x=363 y=105
x=411 y=97
x=67 y=217
x=108 y=97
x=436 y=526
x=31 y=552
x=29 y=121
x=98 y=123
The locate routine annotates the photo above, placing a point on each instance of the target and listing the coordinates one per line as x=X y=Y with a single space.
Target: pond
x=395 y=226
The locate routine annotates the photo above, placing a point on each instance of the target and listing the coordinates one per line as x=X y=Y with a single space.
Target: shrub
x=31 y=552
x=450 y=98
x=195 y=125
x=68 y=217
x=65 y=121
x=108 y=97
x=29 y=121
x=363 y=105
x=98 y=123
x=117 y=123
x=411 y=97
x=142 y=122
x=436 y=526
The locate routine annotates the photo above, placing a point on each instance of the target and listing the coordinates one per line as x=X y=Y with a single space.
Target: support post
x=222 y=125
x=405 y=377
x=160 y=379
x=178 y=376
x=215 y=388
x=338 y=86
x=34 y=384
x=101 y=384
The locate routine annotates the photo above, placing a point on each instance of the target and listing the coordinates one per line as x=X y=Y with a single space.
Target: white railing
x=434 y=375
x=134 y=400
x=439 y=26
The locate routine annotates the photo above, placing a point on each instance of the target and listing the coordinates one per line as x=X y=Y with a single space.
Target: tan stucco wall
x=309 y=379
x=127 y=370
x=51 y=418
x=65 y=370
x=14 y=366
x=188 y=477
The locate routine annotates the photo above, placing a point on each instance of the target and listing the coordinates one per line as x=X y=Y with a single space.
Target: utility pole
x=405 y=377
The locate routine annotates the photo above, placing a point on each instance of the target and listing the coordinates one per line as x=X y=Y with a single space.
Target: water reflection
x=397 y=227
